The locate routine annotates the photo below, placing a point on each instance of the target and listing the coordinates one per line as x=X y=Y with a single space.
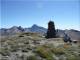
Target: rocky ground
x=33 y=46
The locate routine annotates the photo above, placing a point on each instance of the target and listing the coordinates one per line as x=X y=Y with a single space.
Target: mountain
x=38 y=29
x=73 y=34
x=35 y=29
x=13 y=30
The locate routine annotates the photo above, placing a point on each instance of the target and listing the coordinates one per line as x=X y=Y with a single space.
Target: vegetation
x=45 y=53
x=72 y=57
x=58 y=51
x=38 y=48
x=4 y=52
x=32 y=58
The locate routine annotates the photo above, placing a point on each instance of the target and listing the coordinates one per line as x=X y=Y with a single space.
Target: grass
x=72 y=57
x=58 y=51
x=45 y=53
x=54 y=47
x=4 y=52
x=32 y=58
x=48 y=51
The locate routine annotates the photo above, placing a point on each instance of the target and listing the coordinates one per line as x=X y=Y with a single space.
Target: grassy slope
x=33 y=46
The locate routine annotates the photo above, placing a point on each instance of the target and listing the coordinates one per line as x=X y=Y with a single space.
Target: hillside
x=33 y=46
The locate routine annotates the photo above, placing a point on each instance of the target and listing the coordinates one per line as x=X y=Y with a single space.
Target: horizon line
x=38 y=26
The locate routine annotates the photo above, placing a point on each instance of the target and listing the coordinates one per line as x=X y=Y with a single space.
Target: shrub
x=21 y=36
x=32 y=58
x=4 y=52
x=58 y=51
x=72 y=57
x=45 y=53
x=24 y=50
x=66 y=46
x=14 y=48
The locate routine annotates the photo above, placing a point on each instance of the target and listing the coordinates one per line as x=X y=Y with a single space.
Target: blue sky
x=25 y=13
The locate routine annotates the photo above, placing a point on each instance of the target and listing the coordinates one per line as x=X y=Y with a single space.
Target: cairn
x=51 y=32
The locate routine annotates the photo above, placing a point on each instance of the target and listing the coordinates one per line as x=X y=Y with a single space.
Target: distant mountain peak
x=14 y=27
x=39 y=29
x=35 y=26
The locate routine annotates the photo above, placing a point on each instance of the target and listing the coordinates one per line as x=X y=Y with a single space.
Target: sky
x=25 y=13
